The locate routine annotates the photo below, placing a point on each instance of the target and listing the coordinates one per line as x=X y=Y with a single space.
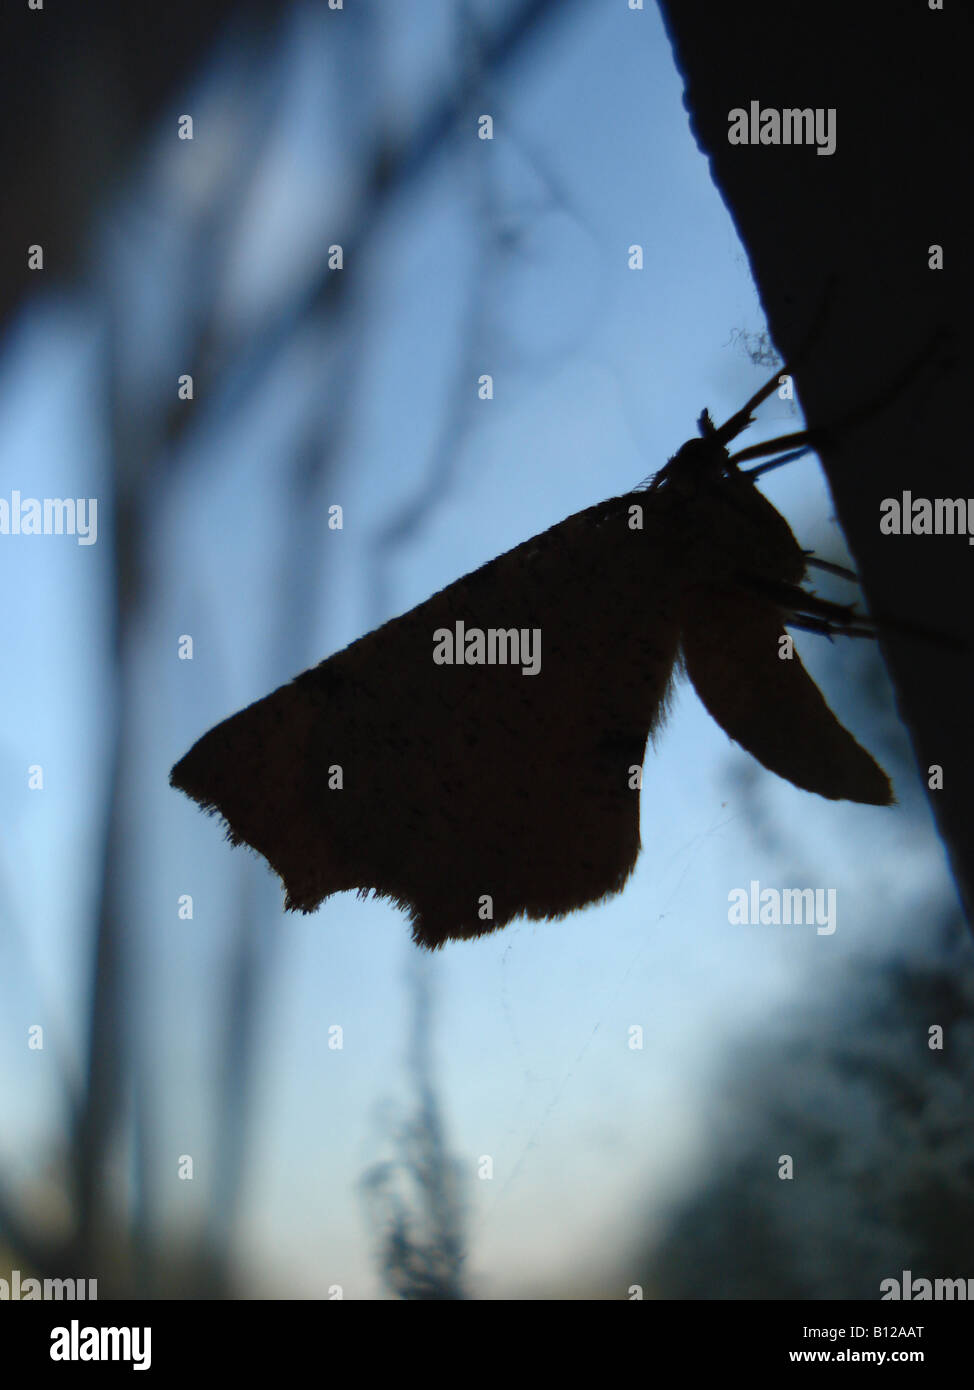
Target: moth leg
x=814 y=614
x=809 y=439
x=793 y=598
x=819 y=615
x=778 y=462
x=812 y=559
x=828 y=629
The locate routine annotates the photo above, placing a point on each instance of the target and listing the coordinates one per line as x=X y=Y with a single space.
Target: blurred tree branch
x=81 y=111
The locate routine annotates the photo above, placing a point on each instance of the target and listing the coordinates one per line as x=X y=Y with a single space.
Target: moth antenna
x=815 y=438
x=740 y=421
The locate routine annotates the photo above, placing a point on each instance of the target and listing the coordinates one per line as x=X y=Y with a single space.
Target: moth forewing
x=471 y=793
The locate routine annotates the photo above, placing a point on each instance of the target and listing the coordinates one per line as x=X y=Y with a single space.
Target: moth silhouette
x=471 y=794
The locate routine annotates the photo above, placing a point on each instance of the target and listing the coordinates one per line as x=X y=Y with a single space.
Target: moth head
x=697 y=464
x=719 y=508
